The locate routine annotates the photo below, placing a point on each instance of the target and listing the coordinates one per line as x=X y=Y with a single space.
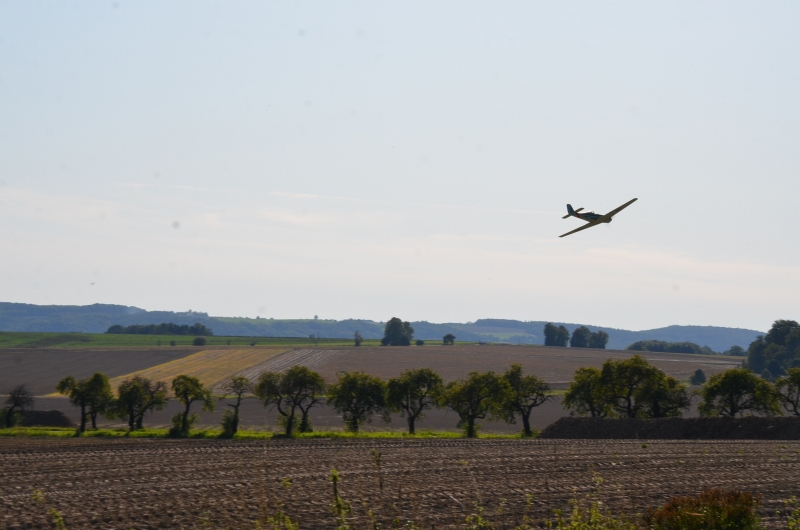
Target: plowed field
x=217 y=484
x=555 y=365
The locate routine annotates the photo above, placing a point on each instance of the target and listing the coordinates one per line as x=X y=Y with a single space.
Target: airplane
x=591 y=218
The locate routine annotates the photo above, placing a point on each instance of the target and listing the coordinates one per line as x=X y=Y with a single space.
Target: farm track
x=228 y=484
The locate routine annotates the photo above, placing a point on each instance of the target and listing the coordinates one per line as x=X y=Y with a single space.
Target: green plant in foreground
x=713 y=509
x=341 y=509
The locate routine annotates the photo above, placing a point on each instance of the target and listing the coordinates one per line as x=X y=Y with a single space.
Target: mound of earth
x=747 y=428
x=45 y=418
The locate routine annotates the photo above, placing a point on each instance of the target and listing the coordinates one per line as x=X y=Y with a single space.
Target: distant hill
x=97 y=318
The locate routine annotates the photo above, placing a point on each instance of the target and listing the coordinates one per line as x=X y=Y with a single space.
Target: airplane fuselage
x=590 y=216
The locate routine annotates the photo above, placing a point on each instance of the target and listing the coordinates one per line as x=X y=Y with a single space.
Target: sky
x=410 y=159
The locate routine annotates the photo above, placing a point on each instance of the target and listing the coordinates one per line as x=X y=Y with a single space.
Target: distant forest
x=161 y=329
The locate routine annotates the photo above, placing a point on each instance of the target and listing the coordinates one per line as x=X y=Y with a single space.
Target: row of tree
x=357 y=396
x=582 y=337
x=396 y=332
x=166 y=328
x=633 y=388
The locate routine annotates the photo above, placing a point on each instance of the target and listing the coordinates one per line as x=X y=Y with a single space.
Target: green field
x=12 y=339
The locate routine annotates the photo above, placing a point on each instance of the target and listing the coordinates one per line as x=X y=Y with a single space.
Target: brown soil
x=41 y=370
x=555 y=365
x=749 y=428
x=229 y=484
x=46 y=418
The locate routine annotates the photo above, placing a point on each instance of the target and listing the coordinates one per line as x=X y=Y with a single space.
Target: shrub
x=714 y=509
x=199 y=341
x=177 y=430
x=229 y=424
x=420 y=342
x=698 y=378
x=172 y=343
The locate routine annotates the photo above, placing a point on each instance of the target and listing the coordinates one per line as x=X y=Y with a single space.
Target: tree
x=480 y=396
x=623 y=379
x=599 y=340
x=357 y=338
x=526 y=393
x=449 y=339
x=199 y=341
x=778 y=351
x=414 y=392
x=18 y=400
x=662 y=396
x=93 y=395
x=737 y=391
x=187 y=390
x=788 y=388
x=357 y=396
x=555 y=336
x=698 y=378
x=397 y=333
x=236 y=386
x=136 y=397
x=580 y=338
x=420 y=342
x=297 y=389
x=587 y=394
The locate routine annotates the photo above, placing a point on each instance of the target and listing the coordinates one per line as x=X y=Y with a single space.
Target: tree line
x=357 y=396
x=774 y=354
x=582 y=337
x=166 y=328
x=633 y=388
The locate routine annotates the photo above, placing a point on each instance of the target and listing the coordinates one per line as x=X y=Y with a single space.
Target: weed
x=713 y=509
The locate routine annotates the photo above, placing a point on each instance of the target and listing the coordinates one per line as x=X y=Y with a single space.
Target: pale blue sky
x=405 y=159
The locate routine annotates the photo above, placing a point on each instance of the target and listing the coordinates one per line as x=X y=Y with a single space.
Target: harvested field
x=41 y=370
x=555 y=365
x=229 y=484
x=212 y=367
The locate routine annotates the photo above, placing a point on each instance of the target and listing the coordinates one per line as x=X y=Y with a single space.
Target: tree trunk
x=354 y=424
x=185 y=420
x=94 y=420
x=526 y=423
x=411 y=421
x=471 y=428
x=290 y=424
x=131 y=421
x=82 y=428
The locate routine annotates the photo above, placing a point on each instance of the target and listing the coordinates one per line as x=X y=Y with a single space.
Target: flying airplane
x=591 y=218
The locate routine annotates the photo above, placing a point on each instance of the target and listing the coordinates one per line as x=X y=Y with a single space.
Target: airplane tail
x=570 y=211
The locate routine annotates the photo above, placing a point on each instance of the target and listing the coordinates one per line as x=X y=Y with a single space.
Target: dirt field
x=42 y=369
x=172 y=484
x=555 y=365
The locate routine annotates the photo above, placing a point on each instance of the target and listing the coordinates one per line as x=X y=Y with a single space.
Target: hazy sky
x=408 y=159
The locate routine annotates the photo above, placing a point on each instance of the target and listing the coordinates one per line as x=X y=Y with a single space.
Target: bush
x=15 y=419
x=420 y=342
x=229 y=424
x=713 y=509
x=199 y=341
x=176 y=431
x=698 y=378
x=172 y=343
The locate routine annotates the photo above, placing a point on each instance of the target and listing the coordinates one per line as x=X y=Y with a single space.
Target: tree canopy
x=628 y=388
x=358 y=396
x=298 y=389
x=18 y=400
x=397 y=333
x=736 y=392
x=772 y=355
x=670 y=347
x=137 y=396
x=525 y=392
x=480 y=396
x=414 y=392
x=188 y=390
x=92 y=395
x=788 y=388
x=166 y=328
x=555 y=335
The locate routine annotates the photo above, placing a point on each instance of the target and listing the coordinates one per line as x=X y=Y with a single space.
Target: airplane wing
x=614 y=212
x=584 y=227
